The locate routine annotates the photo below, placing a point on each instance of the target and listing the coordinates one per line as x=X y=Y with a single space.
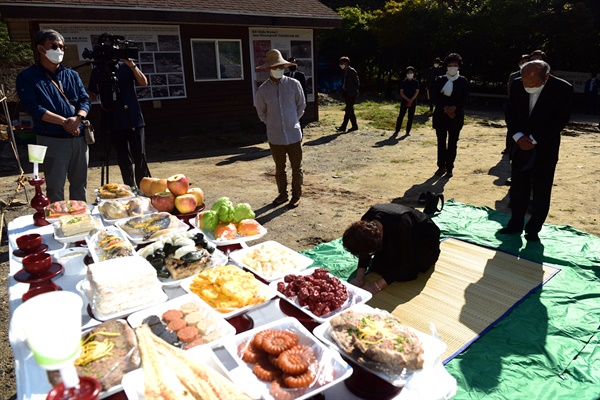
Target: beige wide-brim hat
x=274 y=59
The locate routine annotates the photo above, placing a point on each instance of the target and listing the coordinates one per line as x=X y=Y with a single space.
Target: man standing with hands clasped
x=409 y=90
x=350 y=85
x=57 y=101
x=538 y=110
x=280 y=103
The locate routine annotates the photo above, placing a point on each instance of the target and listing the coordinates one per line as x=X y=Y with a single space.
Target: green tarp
x=548 y=347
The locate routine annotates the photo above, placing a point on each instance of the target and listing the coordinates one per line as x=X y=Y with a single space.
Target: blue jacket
x=38 y=94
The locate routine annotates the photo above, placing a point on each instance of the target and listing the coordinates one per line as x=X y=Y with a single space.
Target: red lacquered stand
x=369 y=386
x=39 y=201
x=39 y=284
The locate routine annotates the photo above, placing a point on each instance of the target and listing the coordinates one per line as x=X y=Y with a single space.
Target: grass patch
x=383 y=114
x=401 y=161
x=428 y=142
x=479 y=171
x=570 y=209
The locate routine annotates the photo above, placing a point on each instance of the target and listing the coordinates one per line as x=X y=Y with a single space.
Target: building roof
x=305 y=13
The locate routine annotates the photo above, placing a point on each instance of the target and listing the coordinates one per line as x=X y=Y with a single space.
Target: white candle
x=35 y=170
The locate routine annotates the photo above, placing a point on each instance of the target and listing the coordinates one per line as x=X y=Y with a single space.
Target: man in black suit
x=294 y=73
x=350 y=85
x=538 y=110
x=524 y=58
x=590 y=92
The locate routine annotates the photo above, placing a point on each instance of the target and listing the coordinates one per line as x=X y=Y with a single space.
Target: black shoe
x=282 y=198
x=341 y=129
x=354 y=128
x=449 y=174
x=440 y=171
x=509 y=230
x=532 y=237
x=294 y=202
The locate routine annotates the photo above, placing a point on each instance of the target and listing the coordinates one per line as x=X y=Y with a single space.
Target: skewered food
x=66 y=207
x=115 y=190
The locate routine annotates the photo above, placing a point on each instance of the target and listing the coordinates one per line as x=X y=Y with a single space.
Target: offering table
x=32 y=382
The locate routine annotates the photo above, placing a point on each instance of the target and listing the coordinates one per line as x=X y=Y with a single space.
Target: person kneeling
x=393 y=240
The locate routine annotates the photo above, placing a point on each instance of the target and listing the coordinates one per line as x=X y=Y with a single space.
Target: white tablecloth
x=32 y=382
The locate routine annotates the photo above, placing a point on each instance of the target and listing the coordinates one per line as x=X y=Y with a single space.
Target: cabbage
x=225 y=212
x=242 y=211
x=220 y=202
x=210 y=219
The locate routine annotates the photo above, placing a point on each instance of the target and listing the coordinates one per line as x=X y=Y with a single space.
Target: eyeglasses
x=55 y=46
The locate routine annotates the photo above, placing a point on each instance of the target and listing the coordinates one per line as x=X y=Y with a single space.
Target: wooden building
x=199 y=55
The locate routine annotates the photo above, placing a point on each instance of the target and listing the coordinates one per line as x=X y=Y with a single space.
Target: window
x=217 y=59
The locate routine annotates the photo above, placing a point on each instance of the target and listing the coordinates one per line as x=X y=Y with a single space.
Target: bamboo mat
x=469 y=291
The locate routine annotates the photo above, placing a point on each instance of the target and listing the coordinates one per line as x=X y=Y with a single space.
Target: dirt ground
x=343 y=175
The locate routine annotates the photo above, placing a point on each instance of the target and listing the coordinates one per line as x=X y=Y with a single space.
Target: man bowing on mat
x=539 y=107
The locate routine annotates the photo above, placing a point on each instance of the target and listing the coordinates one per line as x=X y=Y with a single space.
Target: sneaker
x=440 y=171
x=282 y=198
x=295 y=202
x=354 y=128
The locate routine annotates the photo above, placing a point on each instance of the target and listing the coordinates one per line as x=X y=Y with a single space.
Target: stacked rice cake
x=72 y=225
x=122 y=284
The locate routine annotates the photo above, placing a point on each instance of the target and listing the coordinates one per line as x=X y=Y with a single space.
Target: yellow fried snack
x=227 y=288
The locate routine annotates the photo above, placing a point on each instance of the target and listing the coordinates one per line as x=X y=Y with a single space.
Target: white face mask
x=342 y=66
x=55 y=56
x=436 y=65
x=534 y=90
x=410 y=76
x=277 y=73
x=452 y=71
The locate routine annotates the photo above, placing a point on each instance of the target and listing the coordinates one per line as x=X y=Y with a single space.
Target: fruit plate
x=433 y=348
x=133 y=381
x=329 y=368
x=264 y=291
x=217 y=322
x=61 y=238
x=134 y=228
x=356 y=296
x=270 y=260
x=225 y=242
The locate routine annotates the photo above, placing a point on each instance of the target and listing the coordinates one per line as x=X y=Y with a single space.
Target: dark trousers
x=537 y=181
x=349 y=111
x=411 y=114
x=294 y=152
x=446 y=153
x=130 y=145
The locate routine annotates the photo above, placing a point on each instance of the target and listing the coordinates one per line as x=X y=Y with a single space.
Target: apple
x=164 y=201
x=178 y=184
x=160 y=185
x=186 y=203
x=198 y=193
x=146 y=185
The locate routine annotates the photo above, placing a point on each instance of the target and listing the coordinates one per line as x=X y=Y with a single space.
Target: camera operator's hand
x=71 y=125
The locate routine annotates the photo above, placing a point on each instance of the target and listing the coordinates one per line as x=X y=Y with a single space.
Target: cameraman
x=127 y=122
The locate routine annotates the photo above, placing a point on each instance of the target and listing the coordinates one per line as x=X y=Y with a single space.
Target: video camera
x=110 y=49
x=106 y=55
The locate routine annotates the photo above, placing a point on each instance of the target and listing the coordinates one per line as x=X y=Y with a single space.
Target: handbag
x=432 y=201
x=88 y=132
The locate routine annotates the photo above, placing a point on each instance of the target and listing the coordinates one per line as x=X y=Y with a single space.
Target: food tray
x=84 y=287
x=55 y=219
x=133 y=381
x=266 y=290
x=92 y=242
x=432 y=350
x=356 y=296
x=226 y=329
x=179 y=227
x=298 y=262
x=61 y=238
x=217 y=259
x=330 y=370
x=224 y=242
x=148 y=210
x=98 y=198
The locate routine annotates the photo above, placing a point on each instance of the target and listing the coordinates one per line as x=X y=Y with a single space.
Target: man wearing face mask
x=450 y=93
x=409 y=90
x=294 y=73
x=280 y=103
x=524 y=58
x=350 y=86
x=57 y=101
x=433 y=73
x=538 y=110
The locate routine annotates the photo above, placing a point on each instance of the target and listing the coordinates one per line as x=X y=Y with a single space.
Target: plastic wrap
x=115 y=210
x=102 y=250
x=326 y=369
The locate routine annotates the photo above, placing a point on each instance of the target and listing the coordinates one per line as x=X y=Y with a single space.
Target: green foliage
x=13 y=54
x=383 y=114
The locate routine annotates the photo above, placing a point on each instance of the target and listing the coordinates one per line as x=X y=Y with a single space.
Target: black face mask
x=292 y=69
